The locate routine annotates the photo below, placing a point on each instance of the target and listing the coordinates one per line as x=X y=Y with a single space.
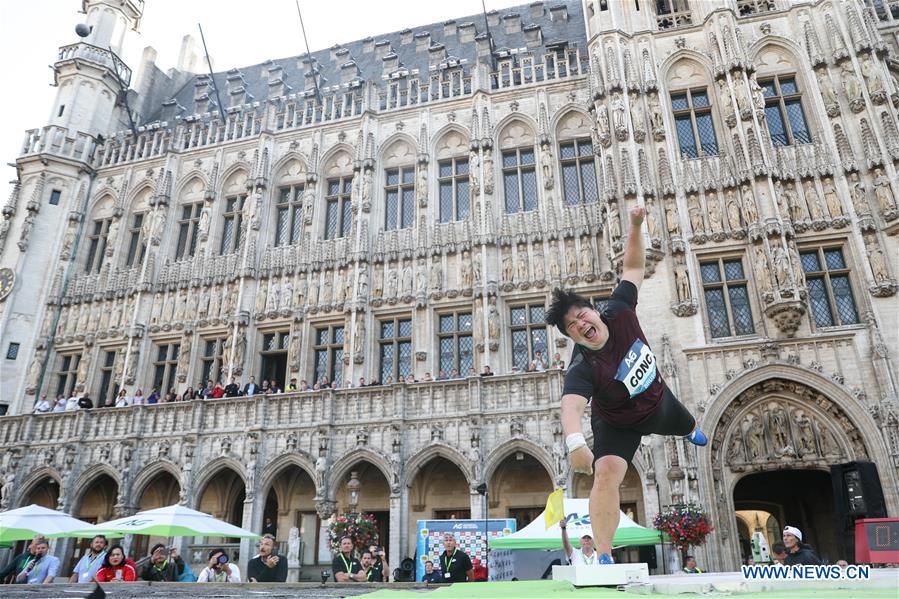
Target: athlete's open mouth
x=590 y=333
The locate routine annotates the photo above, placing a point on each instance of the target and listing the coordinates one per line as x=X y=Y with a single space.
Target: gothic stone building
x=405 y=204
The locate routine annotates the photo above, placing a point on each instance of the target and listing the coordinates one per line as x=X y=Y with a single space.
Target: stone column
x=252 y=520
x=394 y=544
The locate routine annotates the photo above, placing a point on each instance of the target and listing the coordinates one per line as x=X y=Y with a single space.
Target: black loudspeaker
x=648 y=556
x=856 y=494
x=406 y=571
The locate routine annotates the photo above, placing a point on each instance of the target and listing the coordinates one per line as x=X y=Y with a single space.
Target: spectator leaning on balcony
x=116 y=567
x=20 y=561
x=268 y=566
x=60 y=405
x=797 y=551
x=42 y=406
x=345 y=567
x=122 y=400
x=154 y=396
x=251 y=388
x=41 y=568
x=138 y=399
x=91 y=562
x=219 y=568
x=232 y=389
x=72 y=402
x=85 y=402
x=164 y=565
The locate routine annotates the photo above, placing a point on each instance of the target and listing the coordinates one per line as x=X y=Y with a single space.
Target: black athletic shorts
x=670 y=418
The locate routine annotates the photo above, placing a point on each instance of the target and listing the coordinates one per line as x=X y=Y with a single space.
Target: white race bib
x=638 y=368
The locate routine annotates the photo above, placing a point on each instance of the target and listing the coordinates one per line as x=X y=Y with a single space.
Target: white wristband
x=575 y=441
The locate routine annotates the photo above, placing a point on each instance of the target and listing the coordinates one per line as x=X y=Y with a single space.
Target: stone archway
x=518 y=486
x=290 y=502
x=772 y=426
x=160 y=490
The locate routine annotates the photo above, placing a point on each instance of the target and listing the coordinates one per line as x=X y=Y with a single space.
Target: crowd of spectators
x=217 y=390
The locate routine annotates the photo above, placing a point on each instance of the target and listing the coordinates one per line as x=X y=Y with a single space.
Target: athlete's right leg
x=605 y=510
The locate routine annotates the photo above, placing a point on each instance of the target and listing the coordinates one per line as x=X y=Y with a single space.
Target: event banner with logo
x=469 y=538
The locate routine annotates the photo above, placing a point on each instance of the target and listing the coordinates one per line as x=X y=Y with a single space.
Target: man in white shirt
x=72 y=403
x=585 y=555
x=42 y=406
x=219 y=568
x=90 y=562
x=60 y=405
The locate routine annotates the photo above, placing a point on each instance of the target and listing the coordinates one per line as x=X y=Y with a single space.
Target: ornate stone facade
x=196 y=228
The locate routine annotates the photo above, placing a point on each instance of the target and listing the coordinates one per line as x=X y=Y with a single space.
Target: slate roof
x=411 y=50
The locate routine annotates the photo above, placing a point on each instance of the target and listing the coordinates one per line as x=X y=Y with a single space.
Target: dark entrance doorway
x=768 y=501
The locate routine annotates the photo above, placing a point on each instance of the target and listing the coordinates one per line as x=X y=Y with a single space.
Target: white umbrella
x=172 y=521
x=30 y=521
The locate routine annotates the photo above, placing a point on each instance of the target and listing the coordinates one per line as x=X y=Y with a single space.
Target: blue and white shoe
x=605 y=559
x=697 y=437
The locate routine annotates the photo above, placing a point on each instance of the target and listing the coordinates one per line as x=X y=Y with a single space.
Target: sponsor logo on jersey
x=637 y=369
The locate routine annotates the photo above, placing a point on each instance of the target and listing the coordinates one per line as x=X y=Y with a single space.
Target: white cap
x=793 y=531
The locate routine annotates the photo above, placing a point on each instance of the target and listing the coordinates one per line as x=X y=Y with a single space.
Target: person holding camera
x=165 y=565
x=267 y=566
x=379 y=562
x=219 y=568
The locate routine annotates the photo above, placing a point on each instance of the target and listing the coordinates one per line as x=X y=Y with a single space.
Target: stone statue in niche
x=763 y=272
x=362 y=284
x=392 y=286
x=750 y=210
x=883 y=193
x=436 y=275
x=671 y=217
x=203 y=225
x=619 y=118
x=522 y=274
x=614 y=217
x=377 y=287
x=682 y=280
x=652 y=224
x=421 y=185
x=781 y=267
x=850 y=83
x=421 y=277
x=339 y=289
x=407 y=280
x=798 y=273
x=508 y=271
x=111 y=235
x=325 y=295
x=876 y=259
x=602 y=123
x=465 y=270
x=261 y=297
x=858 y=193
x=827 y=92
x=816 y=210
x=586 y=256
x=714 y=208
x=727 y=103
x=834 y=206
x=313 y=289
x=477 y=268
x=488 y=170
x=733 y=210
x=366 y=189
x=872 y=76
x=755 y=438
x=539 y=266
x=546 y=163
x=493 y=320
x=555 y=268
x=695 y=210
x=806 y=433
x=797 y=212
x=180 y=307
x=473 y=164
x=655 y=117
x=286 y=294
x=570 y=258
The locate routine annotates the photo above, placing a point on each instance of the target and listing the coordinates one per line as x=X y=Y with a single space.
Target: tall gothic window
x=211 y=361
x=395 y=348
x=328 y=350
x=783 y=112
x=456 y=343
x=67 y=374
x=232 y=227
x=339 y=207
x=399 y=192
x=693 y=121
x=96 y=245
x=136 y=246
x=829 y=290
x=671 y=14
x=726 y=297
x=188 y=225
x=289 y=215
x=108 y=387
x=528 y=334
x=519 y=180
x=452 y=176
x=578 y=171
x=165 y=365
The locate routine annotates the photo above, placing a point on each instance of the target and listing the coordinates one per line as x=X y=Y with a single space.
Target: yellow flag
x=555 y=508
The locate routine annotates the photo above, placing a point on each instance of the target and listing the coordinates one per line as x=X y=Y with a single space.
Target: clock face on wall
x=7 y=280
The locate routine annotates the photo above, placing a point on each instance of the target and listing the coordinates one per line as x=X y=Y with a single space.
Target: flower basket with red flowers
x=687 y=525
x=362 y=528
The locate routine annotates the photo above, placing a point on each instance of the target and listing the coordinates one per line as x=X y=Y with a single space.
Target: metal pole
x=218 y=99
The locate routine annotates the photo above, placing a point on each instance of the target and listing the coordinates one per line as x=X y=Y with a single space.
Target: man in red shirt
x=613 y=365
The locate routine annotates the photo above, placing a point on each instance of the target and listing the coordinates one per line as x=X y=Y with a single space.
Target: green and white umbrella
x=33 y=520
x=171 y=521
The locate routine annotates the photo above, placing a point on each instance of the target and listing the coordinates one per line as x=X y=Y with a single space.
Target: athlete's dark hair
x=561 y=303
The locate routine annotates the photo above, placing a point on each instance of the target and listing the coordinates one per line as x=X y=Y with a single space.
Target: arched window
x=518 y=167
x=453 y=177
x=577 y=160
x=235 y=197
x=291 y=183
x=338 y=195
x=691 y=104
x=781 y=86
x=190 y=210
x=96 y=237
x=399 y=186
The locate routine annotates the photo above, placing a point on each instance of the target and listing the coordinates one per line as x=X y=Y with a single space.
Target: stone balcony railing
x=59 y=141
x=96 y=54
x=457 y=398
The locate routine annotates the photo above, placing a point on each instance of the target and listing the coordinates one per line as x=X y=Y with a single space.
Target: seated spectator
x=188 y=394
x=539 y=361
x=218 y=391
x=153 y=397
x=388 y=380
x=374 y=383
x=304 y=386
x=441 y=375
x=275 y=387
x=42 y=569
x=471 y=372
x=169 y=397
x=138 y=399
x=232 y=389
x=265 y=389
x=206 y=392
x=164 y=565
x=85 y=402
x=431 y=575
x=361 y=382
x=42 y=406
x=316 y=387
x=72 y=402
x=267 y=566
x=116 y=567
x=292 y=386
x=427 y=378
x=251 y=388
x=60 y=405
x=486 y=371
x=325 y=383
x=455 y=374
x=219 y=568
x=410 y=379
